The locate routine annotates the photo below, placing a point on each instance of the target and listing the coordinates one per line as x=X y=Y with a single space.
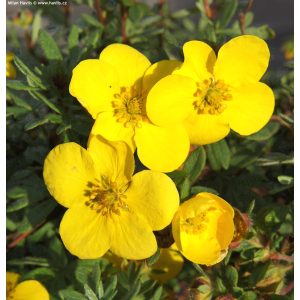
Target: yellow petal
x=199 y=60
x=192 y=246
x=84 y=232
x=242 y=59
x=107 y=126
x=221 y=203
x=94 y=83
x=112 y=159
x=168 y=266
x=67 y=170
x=251 y=107
x=154 y=196
x=133 y=236
x=129 y=63
x=225 y=230
x=162 y=149
x=30 y=290
x=11 y=280
x=171 y=100
x=205 y=128
x=158 y=71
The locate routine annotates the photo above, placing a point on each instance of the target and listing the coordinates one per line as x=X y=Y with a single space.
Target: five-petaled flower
x=113 y=89
x=108 y=208
x=210 y=95
x=203 y=228
x=26 y=290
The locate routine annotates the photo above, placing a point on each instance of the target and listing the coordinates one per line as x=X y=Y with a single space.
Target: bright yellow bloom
x=203 y=228
x=108 y=208
x=10 y=69
x=113 y=89
x=210 y=95
x=168 y=265
x=26 y=290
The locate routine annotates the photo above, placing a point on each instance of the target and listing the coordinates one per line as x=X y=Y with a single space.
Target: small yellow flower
x=26 y=290
x=108 y=208
x=168 y=265
x=211 y=95
x=203 y=228
x=10 y=69
x=113 y=89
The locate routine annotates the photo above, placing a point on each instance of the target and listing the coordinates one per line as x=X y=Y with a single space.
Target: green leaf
x=31 y=77
x=177 y=176
x=110 y=288
x=15 y=111
x=220 y=285
x=232 y=276
x=36 y=26
x=228 y=10
x=16 y=192
x=18 y=101
x=137 y=12
x=264 y=32
x=154 y=258
x=248 y=296
x=157 y=294
x=185 y=188
x=195 y=163
x=19 y=85
x=89 y=294
x=128 y=2
x=17 y=205
x=33 y=124
x=73 y=39
x=218 y=155
x=49 y=46
x=38 y=96
x=71 y=295
x=90 y=20
x=200 y=189
x=286 y=180
x=266 y=133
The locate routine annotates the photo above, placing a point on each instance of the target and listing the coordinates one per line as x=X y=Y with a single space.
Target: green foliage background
x=255 y=173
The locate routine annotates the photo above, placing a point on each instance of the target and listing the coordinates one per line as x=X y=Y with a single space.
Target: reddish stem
x=208 y=9
x=22 y=236
x=242 y=16
x=99 y=12
x=124 y=16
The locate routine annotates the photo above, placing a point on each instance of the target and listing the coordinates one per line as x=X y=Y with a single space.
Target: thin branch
x=124 y=16
x=208 y=10
x=242 y=16
x=99 y=11
x=19 y=238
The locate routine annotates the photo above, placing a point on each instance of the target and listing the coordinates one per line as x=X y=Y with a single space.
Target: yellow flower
x=26 y=290
x=10 y=69
x=108 y=208
x=203 y=228
x=168 y=265
x=210 y=95
x=113 y=89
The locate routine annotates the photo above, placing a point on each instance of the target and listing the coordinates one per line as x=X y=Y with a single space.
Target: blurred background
x=278 y=14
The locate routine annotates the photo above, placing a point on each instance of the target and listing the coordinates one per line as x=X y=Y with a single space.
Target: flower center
x=194 y=225
x=198 y=223
x=105 y=197
x=211 y=97
x=128 y=106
